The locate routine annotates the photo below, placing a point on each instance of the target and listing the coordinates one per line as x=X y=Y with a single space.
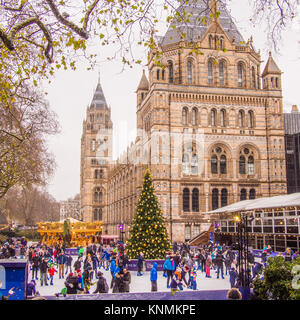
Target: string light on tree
x=148 y=226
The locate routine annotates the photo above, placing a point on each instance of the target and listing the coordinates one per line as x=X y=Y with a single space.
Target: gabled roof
x=99 y=101
x=144 y=83
x=200 y=10
x=271 y=66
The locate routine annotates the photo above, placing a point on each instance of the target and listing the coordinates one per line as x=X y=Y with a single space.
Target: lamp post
x=121 y=227
x=243 y=247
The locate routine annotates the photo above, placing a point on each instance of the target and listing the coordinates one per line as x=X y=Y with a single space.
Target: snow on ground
x=141 y=283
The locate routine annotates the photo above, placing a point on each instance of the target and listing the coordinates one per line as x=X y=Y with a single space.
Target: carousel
x=82 y=233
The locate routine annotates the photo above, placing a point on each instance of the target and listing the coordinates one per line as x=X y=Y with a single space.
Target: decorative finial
x=270 y=53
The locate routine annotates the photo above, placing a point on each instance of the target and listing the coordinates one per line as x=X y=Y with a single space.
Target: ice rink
x=140 y=283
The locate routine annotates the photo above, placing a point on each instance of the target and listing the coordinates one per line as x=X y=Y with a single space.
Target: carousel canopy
x=72 y=220
x=288 y=200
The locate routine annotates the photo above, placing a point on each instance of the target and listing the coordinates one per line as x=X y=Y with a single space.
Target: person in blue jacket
x=61 y=261
x=153 y=277
x=107 y=257
x=169 y=266
x=113 y=270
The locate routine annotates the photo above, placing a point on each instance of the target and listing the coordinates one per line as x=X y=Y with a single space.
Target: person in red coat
x=51 y=271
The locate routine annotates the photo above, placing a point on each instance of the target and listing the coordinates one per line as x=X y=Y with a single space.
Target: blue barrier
x=13 y=274
x=186 y=295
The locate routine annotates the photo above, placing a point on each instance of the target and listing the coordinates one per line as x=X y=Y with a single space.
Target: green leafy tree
x=277 y=280
x=148 y=233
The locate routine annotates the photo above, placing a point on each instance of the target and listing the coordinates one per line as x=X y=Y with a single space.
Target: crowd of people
x=181 y=266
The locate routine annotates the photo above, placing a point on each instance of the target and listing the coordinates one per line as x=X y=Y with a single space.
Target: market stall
x=82 y=233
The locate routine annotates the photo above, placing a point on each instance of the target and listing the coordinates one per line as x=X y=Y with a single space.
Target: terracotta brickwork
x=210 y=128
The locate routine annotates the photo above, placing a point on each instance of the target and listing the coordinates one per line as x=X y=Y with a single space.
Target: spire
x=271 y=66
x=99 y=101
x=144 y=83
x=214 y=9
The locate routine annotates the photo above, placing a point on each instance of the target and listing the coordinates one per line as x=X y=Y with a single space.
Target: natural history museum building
x=210 y=128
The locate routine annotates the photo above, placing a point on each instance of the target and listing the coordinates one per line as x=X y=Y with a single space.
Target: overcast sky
x=71 y=91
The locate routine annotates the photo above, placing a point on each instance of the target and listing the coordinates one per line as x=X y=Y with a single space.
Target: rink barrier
x=13 y=274
x=186 y=295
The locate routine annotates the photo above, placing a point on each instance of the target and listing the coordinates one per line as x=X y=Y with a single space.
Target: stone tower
x=221 y=136
x=96 y=156
x=207 y=129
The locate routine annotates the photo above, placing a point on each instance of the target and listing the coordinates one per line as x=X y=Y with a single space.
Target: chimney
x=295 y=109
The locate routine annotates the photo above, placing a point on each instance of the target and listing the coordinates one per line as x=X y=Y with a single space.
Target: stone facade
x=210 y=132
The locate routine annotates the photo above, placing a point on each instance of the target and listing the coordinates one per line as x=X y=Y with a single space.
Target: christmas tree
x=148 y=233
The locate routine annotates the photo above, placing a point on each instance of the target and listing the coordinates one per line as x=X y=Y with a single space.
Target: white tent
x=288 y=200
x=72 y=220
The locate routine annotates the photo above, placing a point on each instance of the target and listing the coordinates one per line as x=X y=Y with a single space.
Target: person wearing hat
x=102 y=286
x=184 y=270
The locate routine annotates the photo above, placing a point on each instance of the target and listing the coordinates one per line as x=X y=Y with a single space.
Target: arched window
x=240 y=75
x=100 y=196
x=250 y=165
x=223 y=168
x=223 y=118
x=195 y=200
x=210 y=41
x=101 y=174
x=251 y=119
x=97 y=214
x=253 y=77
x=215 y=199
x=185 y=164
x=243 y=195
x=184 y=116
x=210 y=72
x=221 y=72
x=241 y=119
x=242 y=165
x=157 y=74
x=163 y=74
x=214 y=164
x=186 y=200
x=221 y=43
x=171 y=71
x=216 y=42
x=224 y=197
x=213 y=117
x=276 y=83
x=252 y=194
x=96 y=174
x=97 y=193
x=194 y=164
x=93 y=146
x=194 y=116
x=189 y=71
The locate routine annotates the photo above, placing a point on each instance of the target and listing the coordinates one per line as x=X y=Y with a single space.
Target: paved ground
x=142 y=284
